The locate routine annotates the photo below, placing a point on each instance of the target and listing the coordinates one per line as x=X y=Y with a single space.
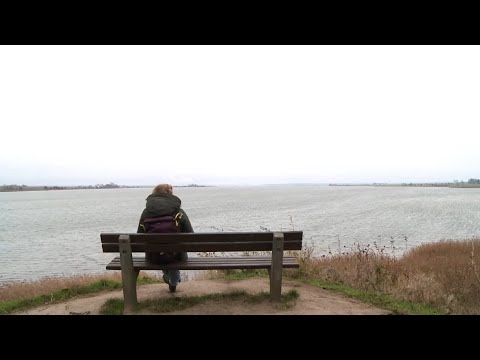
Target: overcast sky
x=73 y=115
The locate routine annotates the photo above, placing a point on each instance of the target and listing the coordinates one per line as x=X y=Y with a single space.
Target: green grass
x=244 y=274
x=7 y=307
x=380 y=300
x=165 y=305
x=112 y=307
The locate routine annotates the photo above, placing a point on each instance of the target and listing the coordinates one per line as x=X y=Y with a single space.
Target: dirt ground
x=312 y=300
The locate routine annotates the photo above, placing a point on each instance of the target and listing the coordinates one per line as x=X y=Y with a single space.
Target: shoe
x=172 y=288
x=165 y=279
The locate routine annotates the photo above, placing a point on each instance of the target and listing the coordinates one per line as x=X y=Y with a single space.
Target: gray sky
x=74 y=115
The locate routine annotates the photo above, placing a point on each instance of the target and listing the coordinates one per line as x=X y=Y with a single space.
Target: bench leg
x=276 y=269
x=129 y=275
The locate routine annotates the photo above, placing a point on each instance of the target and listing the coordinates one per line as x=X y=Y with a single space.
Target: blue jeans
x=172 y=276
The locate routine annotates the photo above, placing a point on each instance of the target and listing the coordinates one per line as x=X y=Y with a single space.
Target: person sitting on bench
x=163 y=214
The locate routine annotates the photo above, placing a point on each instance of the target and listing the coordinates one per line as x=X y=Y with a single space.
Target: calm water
x=56 y=233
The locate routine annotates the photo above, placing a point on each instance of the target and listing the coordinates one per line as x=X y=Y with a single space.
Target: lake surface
x=56 y=233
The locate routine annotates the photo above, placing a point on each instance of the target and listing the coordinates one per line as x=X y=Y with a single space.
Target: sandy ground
x=312 y=300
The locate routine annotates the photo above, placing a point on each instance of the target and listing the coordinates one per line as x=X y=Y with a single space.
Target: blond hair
x=163 y=188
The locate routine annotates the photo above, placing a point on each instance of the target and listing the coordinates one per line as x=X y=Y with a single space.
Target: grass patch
x=287 y=300
x=381 y=300
x=165 y=305
x=9 y=306
x=244 y=274
x=145 y=280
x=112 y=307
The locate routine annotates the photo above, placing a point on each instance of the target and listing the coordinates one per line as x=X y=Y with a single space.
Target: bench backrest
x=202 y=242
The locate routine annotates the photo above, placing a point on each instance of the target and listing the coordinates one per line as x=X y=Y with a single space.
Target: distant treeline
x=192 y=185
x=14 y=187
x=456 y=183
x=471 y=183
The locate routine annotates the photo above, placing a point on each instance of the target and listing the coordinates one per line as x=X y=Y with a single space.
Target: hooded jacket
x=162 y=204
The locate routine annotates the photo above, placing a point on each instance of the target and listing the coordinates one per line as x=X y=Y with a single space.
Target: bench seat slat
x=219 y=260
x=112 y=238
x=205 y=247
x=211 y=263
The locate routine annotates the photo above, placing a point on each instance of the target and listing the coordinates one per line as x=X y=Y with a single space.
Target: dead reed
x=443 y=274
x=28 y=290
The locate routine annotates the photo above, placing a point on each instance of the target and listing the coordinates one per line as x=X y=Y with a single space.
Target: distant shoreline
x=21 y=188
x=447 y=185
x=9 y=188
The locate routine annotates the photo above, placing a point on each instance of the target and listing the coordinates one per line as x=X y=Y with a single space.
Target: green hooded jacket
x=162 y=204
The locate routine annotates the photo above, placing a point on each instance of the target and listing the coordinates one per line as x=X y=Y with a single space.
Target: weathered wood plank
x=208 y=263
x=205 y=247
x=200 y=237
x=129 y=276
x=276 y=272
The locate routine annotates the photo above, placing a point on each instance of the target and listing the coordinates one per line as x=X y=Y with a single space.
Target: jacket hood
x=161 y=204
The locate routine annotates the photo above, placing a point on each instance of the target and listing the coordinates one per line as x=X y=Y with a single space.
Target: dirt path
x=312 y=300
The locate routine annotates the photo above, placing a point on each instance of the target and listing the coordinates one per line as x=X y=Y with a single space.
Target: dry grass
x=24 y=290
x=443 y=274
x=452 y=267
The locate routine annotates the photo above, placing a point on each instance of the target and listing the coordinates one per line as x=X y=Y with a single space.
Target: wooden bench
x=276 y=242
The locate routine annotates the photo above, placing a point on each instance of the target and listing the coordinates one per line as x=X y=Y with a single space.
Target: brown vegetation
x=443 y=274
x=28 y=290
